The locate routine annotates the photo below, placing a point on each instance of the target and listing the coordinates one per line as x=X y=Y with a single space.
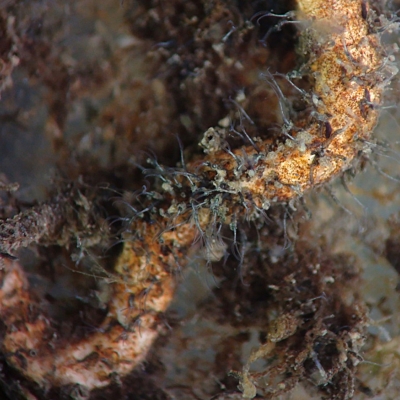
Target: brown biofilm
x=202 y=69
x=181 y=231
x=316 y=324
x=305 y=291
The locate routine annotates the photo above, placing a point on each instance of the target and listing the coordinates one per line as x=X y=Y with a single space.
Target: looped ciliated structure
x=341 y=55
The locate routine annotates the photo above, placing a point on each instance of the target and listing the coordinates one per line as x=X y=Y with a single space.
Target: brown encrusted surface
x=184 y=84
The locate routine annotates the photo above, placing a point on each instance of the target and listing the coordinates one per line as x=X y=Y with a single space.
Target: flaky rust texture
x=343 y=61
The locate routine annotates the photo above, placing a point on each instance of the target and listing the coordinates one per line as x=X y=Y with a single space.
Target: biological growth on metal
x=340 y=52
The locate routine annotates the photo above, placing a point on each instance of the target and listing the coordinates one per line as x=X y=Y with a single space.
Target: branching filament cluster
x=346 y=65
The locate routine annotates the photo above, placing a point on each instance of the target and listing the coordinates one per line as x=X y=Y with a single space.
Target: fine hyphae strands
x=344 y=61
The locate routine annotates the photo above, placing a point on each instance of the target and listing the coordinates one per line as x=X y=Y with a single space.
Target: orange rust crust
x=144 y=287
x=344 y=60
